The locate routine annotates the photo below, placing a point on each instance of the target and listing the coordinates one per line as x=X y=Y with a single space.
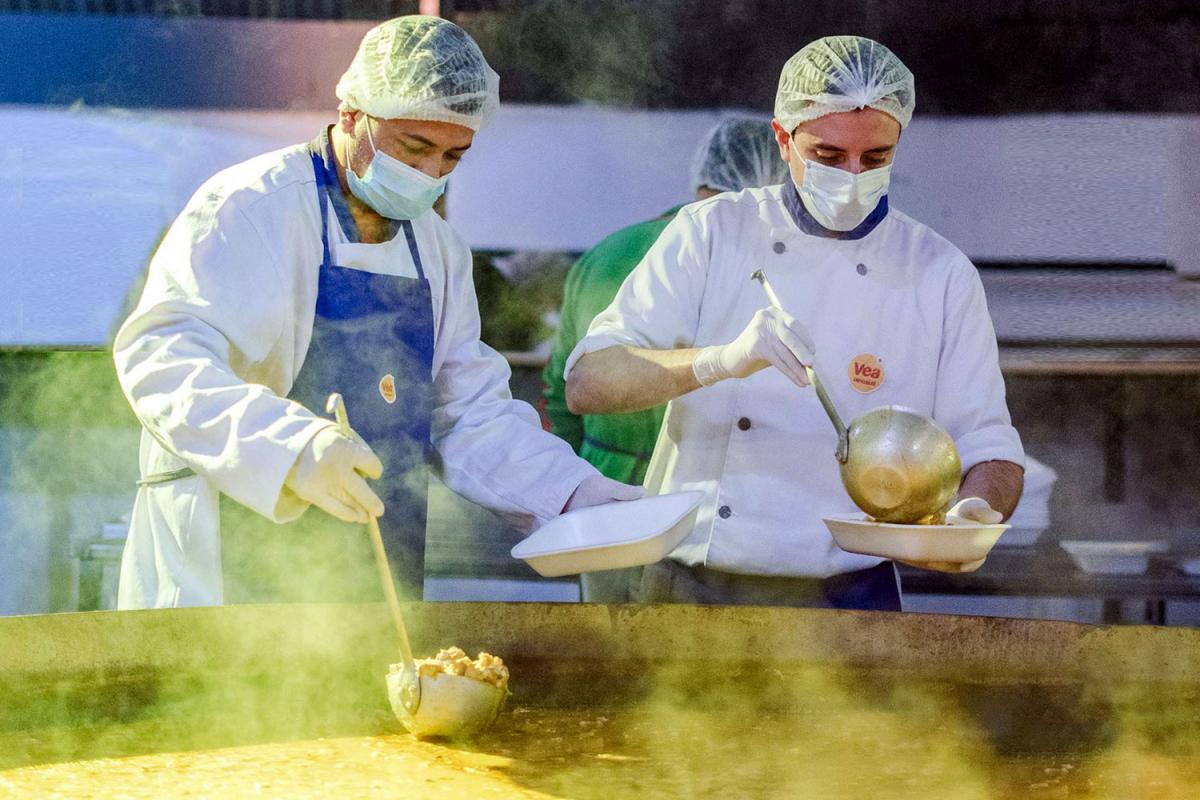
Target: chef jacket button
x=779 y=247
x=862 y=269
x=744 y=424
x=725 y=512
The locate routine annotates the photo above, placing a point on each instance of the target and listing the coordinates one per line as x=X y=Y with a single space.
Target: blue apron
x=372 y=341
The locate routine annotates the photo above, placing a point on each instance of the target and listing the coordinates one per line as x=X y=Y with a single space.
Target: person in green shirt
x=738 y=153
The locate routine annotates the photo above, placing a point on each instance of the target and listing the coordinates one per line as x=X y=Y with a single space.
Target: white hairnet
x=738 y=153
x=843 y=73
x=420 y=67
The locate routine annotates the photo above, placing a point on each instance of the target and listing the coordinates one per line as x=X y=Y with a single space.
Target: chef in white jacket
x=314 y=269
x=891 y=312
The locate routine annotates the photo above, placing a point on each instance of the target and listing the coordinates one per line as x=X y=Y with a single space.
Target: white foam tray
x=611 y=536
x=1113 y=558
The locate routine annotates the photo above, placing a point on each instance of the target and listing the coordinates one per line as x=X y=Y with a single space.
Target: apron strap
x=323 y=202
x=412 y=246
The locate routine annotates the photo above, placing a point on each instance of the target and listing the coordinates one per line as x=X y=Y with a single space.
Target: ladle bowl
x=446 y=705
x=452 y=706
x=900 y=466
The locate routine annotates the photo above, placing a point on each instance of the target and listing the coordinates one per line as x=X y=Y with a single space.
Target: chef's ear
x=347 y=119
x=782 y=138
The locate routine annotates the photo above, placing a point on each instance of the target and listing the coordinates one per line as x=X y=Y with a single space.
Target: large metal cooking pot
x=896 y=464
x=611 y=701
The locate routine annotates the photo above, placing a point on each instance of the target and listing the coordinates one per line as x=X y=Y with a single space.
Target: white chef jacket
x=761 y=448
x=209 y=355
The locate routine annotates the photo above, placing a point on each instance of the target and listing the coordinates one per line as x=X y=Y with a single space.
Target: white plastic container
x=612 y=536
x=1113 y=558
x=958 y=543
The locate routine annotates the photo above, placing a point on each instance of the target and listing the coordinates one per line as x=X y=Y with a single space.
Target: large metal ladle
x=897 y=465
x=453 y=706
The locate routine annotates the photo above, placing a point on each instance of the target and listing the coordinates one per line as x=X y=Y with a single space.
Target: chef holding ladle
x=899 y=314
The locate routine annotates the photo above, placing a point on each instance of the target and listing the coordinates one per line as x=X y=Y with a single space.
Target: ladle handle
x=389 y=593
x=338 y=406
x=843 y=448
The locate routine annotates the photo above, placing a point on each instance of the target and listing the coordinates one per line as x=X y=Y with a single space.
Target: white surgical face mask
x=393 y=188
x=840 y=200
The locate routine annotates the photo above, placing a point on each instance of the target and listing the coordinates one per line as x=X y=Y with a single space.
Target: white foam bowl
x=1112 y=558
x=959 y=543
x=611 y=536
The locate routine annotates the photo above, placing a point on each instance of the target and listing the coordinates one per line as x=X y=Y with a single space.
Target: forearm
x=622 y=379
x=998 y=482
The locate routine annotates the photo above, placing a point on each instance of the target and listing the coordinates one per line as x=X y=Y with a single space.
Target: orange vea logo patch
x=866 y=373
x=387 y=388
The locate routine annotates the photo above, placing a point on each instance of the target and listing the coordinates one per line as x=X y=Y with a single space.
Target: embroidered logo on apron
x=866 y=373
x=387 y=388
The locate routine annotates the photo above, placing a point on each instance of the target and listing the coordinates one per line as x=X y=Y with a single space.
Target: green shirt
x=619 y=445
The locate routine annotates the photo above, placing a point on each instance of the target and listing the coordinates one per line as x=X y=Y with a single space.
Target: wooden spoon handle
x=337 y=406
x=389 y=593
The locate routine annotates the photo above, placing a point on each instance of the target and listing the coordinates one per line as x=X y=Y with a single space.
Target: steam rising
x=68 y=462
x=601 y=711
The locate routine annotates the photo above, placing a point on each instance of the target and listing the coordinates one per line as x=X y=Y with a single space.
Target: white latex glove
x=596 y=490
x=329 y=474
x=774 y=338
x=973 y=510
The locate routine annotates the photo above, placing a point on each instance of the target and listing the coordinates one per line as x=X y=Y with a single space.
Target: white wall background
x=85 y=193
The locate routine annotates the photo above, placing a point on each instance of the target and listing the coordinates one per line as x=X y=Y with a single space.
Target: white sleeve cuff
x=993 y=443
x=563 y=491
x=707 y=367
x=278 y=503
x=591 y=344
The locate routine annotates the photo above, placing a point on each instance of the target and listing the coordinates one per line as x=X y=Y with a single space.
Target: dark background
x=969 y=56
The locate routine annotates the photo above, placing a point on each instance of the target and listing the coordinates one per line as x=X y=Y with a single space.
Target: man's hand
x=946 y=566
x=774 y=338
x=595 y=490
x=329 y=474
